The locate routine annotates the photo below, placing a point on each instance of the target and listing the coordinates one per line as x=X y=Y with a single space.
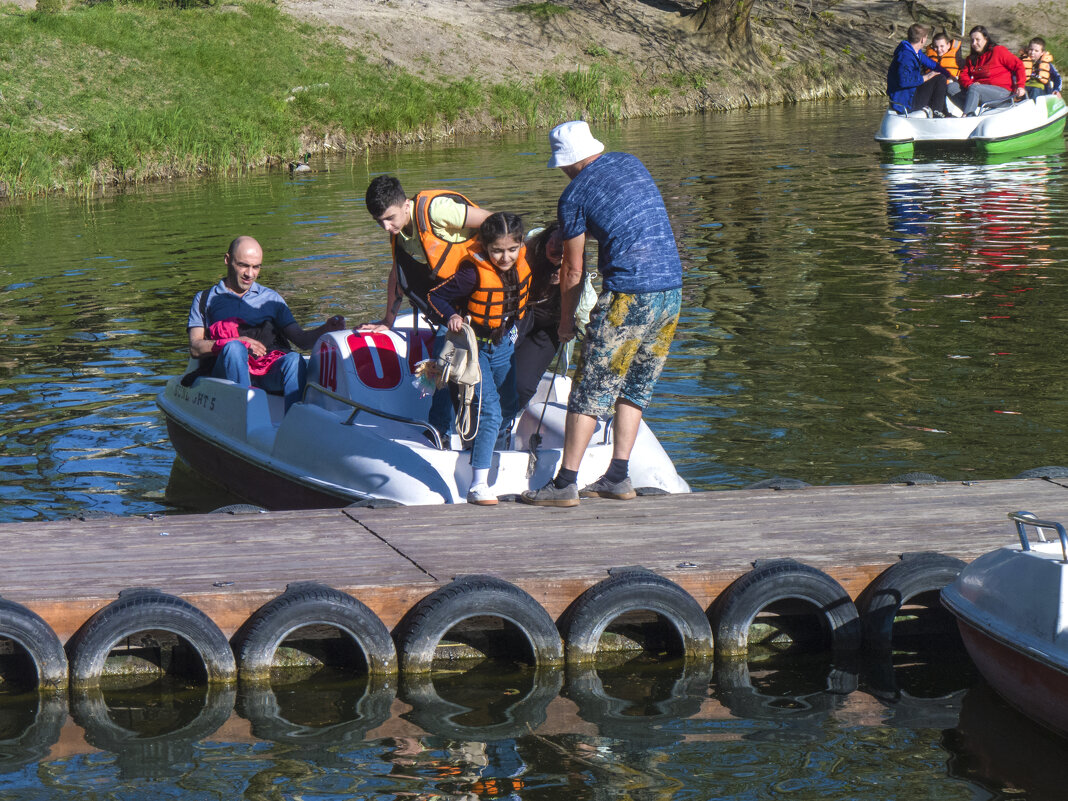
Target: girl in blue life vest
x=490 y=286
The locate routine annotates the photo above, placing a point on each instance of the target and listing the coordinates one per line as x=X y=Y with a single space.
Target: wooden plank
x=389 y=558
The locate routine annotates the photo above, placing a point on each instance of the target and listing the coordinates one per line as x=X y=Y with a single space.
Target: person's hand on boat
x=455 y=323
x=1020 y=92
x=336 y=323
x=255 y=347
x=373 y=328
x=566 y=331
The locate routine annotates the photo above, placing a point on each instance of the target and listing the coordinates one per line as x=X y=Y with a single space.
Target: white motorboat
x=361 y=433
x=1011 y=607
x=995 y=129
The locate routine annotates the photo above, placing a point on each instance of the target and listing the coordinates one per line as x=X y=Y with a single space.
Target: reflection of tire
x=27 y=734
x=422 y=628
x=306 y=604
x=735 y=690
x=144 y=610
x=908 y=710
x=38 y=641
x=355 y=708
x=238 y=509
x=916 y=478
x=775 y=580
x=630 y=591
x=914 y=575
x=639 y=703
x=778 y=483
x=1052 y=471
x=149 y=753
x=503 y=718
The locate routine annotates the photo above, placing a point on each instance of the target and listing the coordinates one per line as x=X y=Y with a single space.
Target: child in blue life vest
x=1042 y=76
x=490 y=287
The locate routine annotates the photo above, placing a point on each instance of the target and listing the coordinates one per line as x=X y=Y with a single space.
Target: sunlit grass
x=126 y=92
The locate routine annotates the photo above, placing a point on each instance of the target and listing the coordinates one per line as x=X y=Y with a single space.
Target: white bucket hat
x=572 y=142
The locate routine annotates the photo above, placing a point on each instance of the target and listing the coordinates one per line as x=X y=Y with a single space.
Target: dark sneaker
x=550 y=495
x=603 y=488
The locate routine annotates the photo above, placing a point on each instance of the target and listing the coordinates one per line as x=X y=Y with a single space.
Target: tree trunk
x=726 y=21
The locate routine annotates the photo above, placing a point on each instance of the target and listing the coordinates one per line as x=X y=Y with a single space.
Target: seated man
x=241 y=330
x=1042 y=76
x=909 y=88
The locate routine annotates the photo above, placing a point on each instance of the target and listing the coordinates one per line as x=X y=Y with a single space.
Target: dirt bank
x=802 y=49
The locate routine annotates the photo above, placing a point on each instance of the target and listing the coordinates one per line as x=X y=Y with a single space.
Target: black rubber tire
x=916 y=478
x=419 y=632
x=38 y=640
x=1051 y=471
x=310 y=603
x=141 y=610
x=779 y=580
x=778 y=483
x=25 y=743
x=913 y=575
x=657 y=697
x=443 y=718
x=631 y=590
x=238 y=509
x=152 y=755
x=735 y=690
x=259 y=704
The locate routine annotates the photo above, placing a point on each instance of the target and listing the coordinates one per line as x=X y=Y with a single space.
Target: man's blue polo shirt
x=256 y=306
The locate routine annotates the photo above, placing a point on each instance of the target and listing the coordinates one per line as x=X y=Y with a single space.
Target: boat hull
x=1011 y=606
x=1025 y=125
x=361 y=433
x=1032 y=686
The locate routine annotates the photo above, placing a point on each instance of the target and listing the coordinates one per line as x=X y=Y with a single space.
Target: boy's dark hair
x=500 y=224
x=1038 y=40
x=916 y=32
x=941 y=35
x=383 y=192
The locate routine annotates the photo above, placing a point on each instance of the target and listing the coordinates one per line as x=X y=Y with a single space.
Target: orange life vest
x=947 y=60
x=493 y=303
x=1043 y=68
x=417 y=278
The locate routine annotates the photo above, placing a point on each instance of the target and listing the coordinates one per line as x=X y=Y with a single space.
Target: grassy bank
x=121 y=93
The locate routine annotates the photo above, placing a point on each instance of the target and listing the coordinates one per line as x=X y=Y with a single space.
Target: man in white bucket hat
x=613 y=199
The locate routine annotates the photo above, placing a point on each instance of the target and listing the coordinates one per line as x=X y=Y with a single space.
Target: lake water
x=844 y=321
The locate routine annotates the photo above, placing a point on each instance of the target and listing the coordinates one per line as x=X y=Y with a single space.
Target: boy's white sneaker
x=480 y=495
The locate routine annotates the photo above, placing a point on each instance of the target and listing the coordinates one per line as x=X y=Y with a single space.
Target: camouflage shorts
x=626 y=345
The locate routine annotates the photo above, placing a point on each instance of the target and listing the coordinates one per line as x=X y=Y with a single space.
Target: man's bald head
x=243 y=261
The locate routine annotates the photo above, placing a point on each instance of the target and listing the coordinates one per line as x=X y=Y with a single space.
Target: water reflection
x=748 y=730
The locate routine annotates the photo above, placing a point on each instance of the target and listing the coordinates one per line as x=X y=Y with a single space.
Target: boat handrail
x=358 y=407
x=1022 y=519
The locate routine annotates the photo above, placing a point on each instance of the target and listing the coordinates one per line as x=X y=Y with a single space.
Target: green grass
x=126 y=92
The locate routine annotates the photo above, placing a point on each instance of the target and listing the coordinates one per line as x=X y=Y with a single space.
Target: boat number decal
x=328 y=367
x=201 y=399
x=375 y=359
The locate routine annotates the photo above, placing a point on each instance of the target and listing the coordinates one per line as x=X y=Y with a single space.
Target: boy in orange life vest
x=427 y=236
x=946 y=53
x=1042 y=76
x=421 y=230
x=491 y=285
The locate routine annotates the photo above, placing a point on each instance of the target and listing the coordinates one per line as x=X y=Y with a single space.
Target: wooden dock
x=229 y=565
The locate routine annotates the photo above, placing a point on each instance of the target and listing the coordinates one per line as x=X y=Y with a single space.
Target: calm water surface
x=844 y=321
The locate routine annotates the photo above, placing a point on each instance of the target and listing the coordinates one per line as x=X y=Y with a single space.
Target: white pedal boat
x=1011 y=607
x=362 y=434
x=996 y=129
